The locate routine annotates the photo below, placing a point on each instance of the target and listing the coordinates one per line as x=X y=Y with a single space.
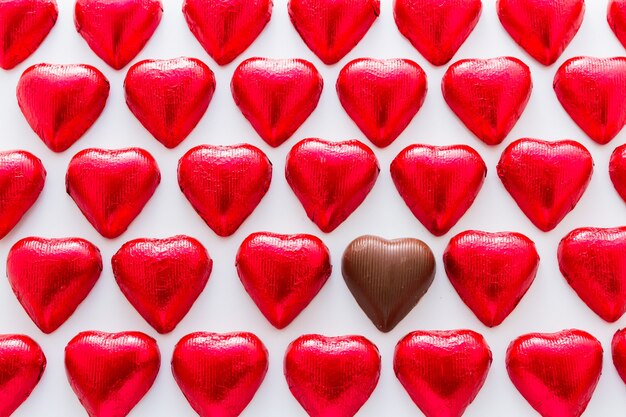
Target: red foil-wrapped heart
x=170 y=96
x=111 y=372
x=51 y=277
x=437 y=28
x=276 y=95
x=61 y=102
x=111 y=187
x=503 y=86
x=544 y=28
x=282 y=273
x=162 y=278
x=219 y=373
x=226 y=28
x=618 y=352
x=546 y=179
x=491 y=272
x=556 y=373
x=382 y=96
x=616 y=16
x=332 y=28
x=22 y=177
x=442 y=371
x=617 y=170
x=438 y=183
x=22 y=363
x=332 y=376
x=24 y=24
x=331 y=179
x=117 y=30
x=593 y=92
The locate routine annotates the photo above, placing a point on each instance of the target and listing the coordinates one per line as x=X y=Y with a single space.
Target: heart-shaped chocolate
x=382 y=96
x=51 y=277
x=616 y=16
x=219 y=373
x=617 y=170
x=276 y=95
x=442 y=371
x=387 y=277
x=61 y=102
x=618 y=352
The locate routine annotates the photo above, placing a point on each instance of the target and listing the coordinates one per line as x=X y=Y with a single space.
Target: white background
x=549 y=305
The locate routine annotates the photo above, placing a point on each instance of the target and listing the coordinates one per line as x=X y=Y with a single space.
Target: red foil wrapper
x=616 y=16
x=618 y=352
x=617 y=170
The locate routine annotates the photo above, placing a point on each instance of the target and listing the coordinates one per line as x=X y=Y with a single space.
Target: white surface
x=549 y=305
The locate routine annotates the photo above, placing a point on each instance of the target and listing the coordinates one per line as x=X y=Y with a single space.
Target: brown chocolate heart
x=387 y=277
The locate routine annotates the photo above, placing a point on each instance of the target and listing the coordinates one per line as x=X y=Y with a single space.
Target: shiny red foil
x=24 y=24
x=442 y=371
x=488 y=95
x=51 y=277
x=224 y=184
x=226 y=28
x=618 y=352
x=332 y=376
x=556 y=373
x=491 y=272
x=117 y=30
x=616 y=16
x=593 y=92
x=111 y=372
x=593 y=263
x=544 y=28
x=61 y=102
x=438 y=183
x=22 y=177
x=382 y=96
x=219 y=373
x=331 y=179
x=170 y=96
x=332 y=28
x=111 y=187
x=276 y=95
x=22 y=363
x=282 y=273
x=617 y=170
x=162 y=278
x=546 y=179
x=437 y=28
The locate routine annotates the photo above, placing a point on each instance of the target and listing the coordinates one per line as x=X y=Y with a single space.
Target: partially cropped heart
x=616 y=16
x=282 y=273
x=381 y=96
x=617 y=170
x=51 y=277
x=618 y=353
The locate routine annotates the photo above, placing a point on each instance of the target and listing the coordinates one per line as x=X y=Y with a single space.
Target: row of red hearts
x=219 y=374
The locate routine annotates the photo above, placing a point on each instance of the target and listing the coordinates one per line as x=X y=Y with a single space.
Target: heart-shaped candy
x=387 y=277
x=593 y=92
x=282 y=273
x=503 y=85
x=162 y=278
x=616 y=16
x=276 y=95
x=438 y=183
x=22 y=177
x=617 y=170
x=24 y=24
x=226 y=28
x=51 y=277
x=437 y=28
x=546 y=179
x=491 y=272
x=22 y=364
x=219 y=373
x=555 y=372
x=111 y=187
x=111 y=372
x=61 y=102
x=332 y=376
x=170 y=96
x=543 y=28
x=117 y=30
x=382 y=96
x=332 y=28
x=331 y=179
x=442 y=371
x=593 y=263
x=618 y=352
x=224 y=184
